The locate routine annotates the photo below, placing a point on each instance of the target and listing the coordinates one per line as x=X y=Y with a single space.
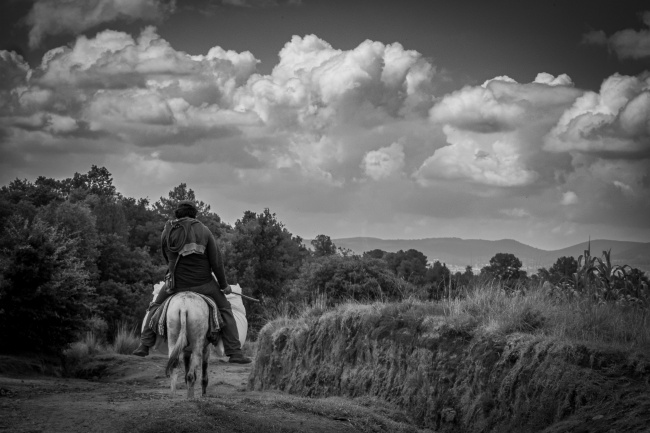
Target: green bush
x=44 y=290
x=342 y=279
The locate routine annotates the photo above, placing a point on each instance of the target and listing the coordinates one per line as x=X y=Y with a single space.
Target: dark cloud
x=52 y=17
x=628 y=43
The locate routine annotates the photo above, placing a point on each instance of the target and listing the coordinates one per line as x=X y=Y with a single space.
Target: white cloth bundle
x=239 y=312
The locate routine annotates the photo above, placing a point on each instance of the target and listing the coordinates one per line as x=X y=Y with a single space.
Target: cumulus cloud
x=569 y=198
x=494 y=131
x=384 y=162
x=329 y=130
x=614 y=123
x=482 y=160
x=627 y=43
x=141 y=91
x=502 y=104
x=385 y=77
x=52 y=17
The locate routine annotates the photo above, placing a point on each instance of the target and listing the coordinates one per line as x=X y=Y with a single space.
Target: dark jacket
x=198 y=251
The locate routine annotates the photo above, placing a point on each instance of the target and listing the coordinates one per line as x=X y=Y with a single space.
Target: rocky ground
x=128 y=394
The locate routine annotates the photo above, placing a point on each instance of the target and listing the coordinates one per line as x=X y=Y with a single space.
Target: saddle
x=158 y=321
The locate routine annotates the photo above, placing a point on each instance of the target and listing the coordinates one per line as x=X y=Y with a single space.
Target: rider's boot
x=142 y=350
x=147 y=336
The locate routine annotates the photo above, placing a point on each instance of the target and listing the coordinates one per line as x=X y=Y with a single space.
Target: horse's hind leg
x=204 y=369
x=174 y=372
x=174 y=377
x=187 y=358
x=190 y=376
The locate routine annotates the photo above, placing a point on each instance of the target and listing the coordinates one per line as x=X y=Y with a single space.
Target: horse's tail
x=177 y=351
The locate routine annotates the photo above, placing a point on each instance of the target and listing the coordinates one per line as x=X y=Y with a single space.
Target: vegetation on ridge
x=78 y=256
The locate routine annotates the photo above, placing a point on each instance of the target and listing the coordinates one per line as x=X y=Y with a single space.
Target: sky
x=398 y=120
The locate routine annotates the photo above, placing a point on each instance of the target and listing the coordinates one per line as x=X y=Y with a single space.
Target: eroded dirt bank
x=129 y=394
x=451 y=380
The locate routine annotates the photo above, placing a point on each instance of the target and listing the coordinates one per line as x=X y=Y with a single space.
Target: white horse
x=187 y=327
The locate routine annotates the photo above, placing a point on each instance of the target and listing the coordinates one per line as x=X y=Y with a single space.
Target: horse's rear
x=187 y=327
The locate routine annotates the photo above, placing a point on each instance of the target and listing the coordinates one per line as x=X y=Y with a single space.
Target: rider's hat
x=184 y=204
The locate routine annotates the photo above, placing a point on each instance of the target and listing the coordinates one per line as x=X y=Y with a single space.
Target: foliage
x=75 y=248
x=144 y=226
x=505 y=267
x=262 y=255
x=604 y=281
x=438 y=278
x=409 y=265
x=44 y=290
x=341 y=279
x=561 y=271
x=323 y=246
x=67 y=252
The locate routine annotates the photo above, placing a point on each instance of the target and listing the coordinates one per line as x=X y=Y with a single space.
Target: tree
x=564 y=267
x=503 y=266
x=262 y=255
x=145 y=226
x=76 y=222
x=44 y=292
x=165 y=206
x=375 y=254
x=97 y=181
x=409 y=265
x=339 y=279
x=323 y=246
x=438 y=278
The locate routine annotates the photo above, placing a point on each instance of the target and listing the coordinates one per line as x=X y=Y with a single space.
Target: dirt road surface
x=124 y=393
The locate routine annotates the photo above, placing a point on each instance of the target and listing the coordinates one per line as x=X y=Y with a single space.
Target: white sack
x=239 y=312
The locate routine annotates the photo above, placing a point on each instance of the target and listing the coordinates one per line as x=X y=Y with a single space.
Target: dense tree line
x=76 y=251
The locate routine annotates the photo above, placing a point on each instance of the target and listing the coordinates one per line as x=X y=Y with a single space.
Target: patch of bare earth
x=129 y=394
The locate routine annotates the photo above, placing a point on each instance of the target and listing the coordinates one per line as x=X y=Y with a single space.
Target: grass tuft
x=126 y=340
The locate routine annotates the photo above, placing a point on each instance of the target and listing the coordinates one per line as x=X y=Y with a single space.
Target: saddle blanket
x=158 y=321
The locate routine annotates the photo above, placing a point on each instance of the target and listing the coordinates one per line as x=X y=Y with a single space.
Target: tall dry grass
x=487 y=308
x=126 y=340
x=534 y=310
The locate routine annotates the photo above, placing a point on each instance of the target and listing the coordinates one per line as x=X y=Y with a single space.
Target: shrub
x=43 y=287
x=342 y=279
x=126 y=340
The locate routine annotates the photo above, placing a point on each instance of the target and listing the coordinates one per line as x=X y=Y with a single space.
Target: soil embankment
x=120 y=393
x=450 y=379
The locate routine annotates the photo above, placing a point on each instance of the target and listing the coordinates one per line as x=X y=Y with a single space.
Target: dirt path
x=130 y=394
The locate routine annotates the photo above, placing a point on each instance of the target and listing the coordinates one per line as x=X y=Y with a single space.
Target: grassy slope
x=476 y=365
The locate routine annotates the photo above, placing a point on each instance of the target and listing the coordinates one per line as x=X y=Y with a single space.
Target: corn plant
x=583 y=277
x=604 y=281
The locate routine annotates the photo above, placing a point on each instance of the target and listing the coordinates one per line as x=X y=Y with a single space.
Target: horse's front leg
x=174 y=377
x=204 y=368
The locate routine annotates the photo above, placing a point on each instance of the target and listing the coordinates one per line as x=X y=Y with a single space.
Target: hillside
x=458 y=253
x=450 y=378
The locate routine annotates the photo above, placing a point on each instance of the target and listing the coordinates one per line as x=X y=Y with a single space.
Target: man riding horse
x=192 y=256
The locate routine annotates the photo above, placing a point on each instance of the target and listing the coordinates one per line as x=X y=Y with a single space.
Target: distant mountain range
x=458 y=253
